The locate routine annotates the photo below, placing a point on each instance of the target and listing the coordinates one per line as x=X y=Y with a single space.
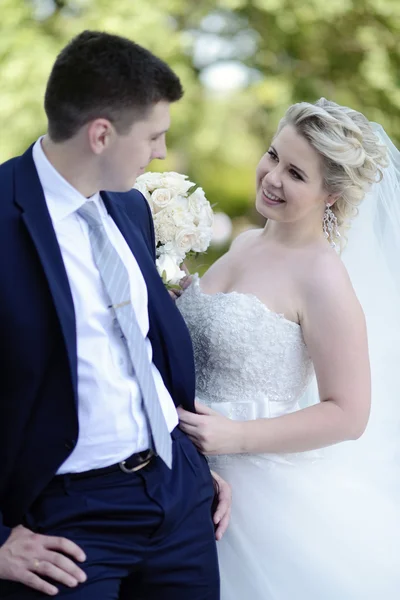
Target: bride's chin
x=268 y=212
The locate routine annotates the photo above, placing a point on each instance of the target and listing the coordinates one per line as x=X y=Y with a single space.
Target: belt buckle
x=146 y=461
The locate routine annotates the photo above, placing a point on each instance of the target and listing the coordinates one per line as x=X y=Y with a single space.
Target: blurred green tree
x=34 y=31
x=242 y=63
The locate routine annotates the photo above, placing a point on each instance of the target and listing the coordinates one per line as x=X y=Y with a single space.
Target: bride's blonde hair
x=351 y=153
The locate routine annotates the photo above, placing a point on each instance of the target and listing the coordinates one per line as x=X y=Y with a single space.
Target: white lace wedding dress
x=307 y=526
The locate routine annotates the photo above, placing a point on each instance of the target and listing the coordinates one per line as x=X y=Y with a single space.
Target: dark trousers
x=147 y=535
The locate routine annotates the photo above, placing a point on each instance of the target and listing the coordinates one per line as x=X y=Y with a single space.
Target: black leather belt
x=130 y=465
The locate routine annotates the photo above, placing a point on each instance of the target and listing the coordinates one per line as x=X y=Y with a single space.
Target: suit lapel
x=30 y=198
x=133 y=237
x=136 y=242
x=162 y=314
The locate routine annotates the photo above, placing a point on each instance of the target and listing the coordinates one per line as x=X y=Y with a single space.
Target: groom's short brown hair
x=102 y=75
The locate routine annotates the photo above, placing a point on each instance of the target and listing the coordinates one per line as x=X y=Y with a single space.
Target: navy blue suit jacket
x=38 y=361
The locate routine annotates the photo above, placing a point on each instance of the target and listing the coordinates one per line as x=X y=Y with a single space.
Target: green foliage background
x=345 y=50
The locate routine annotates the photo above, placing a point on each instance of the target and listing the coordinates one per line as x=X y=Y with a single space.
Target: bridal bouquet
x=183 y=220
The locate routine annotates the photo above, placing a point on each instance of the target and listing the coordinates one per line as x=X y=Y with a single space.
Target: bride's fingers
x=202 y=409
x=174 y=294
x=187 y=417
x=188 y=429
x=185 y=282
x=222 y=525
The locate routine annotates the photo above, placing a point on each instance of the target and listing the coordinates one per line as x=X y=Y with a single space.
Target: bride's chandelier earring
x=330 y=226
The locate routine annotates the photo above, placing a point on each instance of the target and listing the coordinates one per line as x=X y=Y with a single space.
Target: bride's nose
x=273 y=177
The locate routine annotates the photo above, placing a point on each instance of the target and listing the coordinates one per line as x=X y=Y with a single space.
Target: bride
x=315 y=480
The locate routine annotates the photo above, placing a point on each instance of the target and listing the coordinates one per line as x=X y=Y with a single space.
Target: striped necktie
x=115 y=279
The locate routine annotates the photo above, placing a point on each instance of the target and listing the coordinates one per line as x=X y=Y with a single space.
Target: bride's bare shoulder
x=324 y=273
x=244 y=238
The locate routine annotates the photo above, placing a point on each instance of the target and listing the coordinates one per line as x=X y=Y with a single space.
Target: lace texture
x=250 y=360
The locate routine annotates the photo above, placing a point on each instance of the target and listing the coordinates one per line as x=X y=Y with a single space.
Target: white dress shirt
x=112 y=424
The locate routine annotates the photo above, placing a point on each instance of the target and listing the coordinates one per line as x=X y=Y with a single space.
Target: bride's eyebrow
x=291 y=164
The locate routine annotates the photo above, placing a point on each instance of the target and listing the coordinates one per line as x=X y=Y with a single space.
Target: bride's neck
x=292 y=234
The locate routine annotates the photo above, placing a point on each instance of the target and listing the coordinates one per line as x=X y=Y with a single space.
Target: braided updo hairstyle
x=352 y=155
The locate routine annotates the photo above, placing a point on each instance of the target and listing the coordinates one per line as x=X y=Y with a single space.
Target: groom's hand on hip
x=26 y=557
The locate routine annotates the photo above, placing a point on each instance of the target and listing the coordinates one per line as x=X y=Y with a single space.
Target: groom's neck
x=74 y=163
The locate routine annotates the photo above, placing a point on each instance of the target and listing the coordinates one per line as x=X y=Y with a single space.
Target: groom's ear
x=100 y=134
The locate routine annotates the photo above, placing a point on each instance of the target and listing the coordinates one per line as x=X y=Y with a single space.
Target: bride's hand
x=184 y=283
x=211 y=432
x=222 y=514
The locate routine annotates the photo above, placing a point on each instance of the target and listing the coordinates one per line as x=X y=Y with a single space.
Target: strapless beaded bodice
x=250 y=362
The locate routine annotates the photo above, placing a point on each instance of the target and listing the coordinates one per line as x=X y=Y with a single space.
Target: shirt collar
x=61 y=197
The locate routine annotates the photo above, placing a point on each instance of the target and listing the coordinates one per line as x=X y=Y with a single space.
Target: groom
x=101 y=495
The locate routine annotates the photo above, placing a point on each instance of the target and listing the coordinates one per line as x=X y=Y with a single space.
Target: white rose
x=142 y=188
x=198 y=196
x=176 y=182
x=161 y=197
x=169 y=269
x=185 y=239
x=200 y=208
x=167 y=248
x=206 y=216
x=171 y=249
x=150 y=180
x=178 y=212
x=194 y=209
x=203 y=239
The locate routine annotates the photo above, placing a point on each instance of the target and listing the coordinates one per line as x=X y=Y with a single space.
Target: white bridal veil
x=372 y=258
